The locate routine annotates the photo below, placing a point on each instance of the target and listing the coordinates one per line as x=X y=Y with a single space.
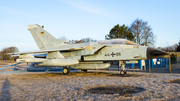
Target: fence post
x=169 y=64
x=119 y=66
x=14 y=67
x=13 y=59
x=161 y=62
x=46 y=69
x=149 y=66
x=27 y=66
x=166 y=62
x=110 y=65
x=152 y=63
x=140 y=62
x=133 y=67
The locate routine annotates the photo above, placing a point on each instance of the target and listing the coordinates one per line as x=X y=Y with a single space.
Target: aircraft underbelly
x=91 y=66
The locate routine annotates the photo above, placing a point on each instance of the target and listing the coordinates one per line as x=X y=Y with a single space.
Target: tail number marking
x=113 y=54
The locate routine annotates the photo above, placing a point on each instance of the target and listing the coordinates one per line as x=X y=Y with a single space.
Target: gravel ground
x=72 y=87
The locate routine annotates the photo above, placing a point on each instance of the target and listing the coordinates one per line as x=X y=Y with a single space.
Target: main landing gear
x=122 y=68
x=66 y=70
x=84 y=70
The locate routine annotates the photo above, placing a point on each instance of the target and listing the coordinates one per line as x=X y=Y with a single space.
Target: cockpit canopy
x=117 y=41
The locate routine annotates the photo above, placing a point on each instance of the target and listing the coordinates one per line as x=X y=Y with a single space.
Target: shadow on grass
x=119 y=89
x=174 y=81
x=55 y=74
x=5 y=91
x=84 y=74
x=127 y=75
x=87 y=73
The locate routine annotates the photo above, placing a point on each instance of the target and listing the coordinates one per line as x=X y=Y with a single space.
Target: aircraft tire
x=66 y=70
x=125 y=72
x=122 y=72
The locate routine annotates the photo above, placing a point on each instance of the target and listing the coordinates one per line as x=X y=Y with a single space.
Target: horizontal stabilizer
x=32 y=60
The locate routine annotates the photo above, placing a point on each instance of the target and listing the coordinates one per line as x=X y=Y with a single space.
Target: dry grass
x=78 y=86
x=1 y=61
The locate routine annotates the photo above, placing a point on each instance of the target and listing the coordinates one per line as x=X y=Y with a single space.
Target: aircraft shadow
x=5 y=91
x=127 y=75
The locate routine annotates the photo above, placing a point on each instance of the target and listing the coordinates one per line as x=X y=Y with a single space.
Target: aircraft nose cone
x=155 y=53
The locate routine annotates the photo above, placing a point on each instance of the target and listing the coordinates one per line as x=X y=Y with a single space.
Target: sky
x=77 y=19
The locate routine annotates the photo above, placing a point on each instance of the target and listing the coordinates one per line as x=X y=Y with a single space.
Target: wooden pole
x=27 y=66
x=12 y=59
x=109 y=66
x=133 y=67
x=149 y=66
x=119 y=66
x=169 y=64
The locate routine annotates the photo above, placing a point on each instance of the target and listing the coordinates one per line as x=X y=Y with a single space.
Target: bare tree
x=172 y=48
x=75 y=41
x=4 y=55
x=149 y=37
x=143 y=33
x=178 y=47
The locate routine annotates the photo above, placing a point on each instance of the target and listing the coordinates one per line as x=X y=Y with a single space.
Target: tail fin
x=43 y=39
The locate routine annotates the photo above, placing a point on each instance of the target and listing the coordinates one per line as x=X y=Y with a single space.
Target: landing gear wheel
x=123 y=72
x=84 y=71
x=66 y=70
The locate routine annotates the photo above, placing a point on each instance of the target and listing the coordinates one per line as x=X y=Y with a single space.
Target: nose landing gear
x=123 y=72
x=122 y=68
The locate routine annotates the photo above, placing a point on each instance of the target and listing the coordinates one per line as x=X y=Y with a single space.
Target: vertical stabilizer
x=43 y=39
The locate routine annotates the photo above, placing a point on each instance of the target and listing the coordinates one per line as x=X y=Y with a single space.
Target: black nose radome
x=155 y=53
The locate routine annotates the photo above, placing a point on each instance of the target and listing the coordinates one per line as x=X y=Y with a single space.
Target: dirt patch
x=120 y=89
x=174 y=81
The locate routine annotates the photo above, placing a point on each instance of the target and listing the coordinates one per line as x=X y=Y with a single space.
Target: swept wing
x=50 y=50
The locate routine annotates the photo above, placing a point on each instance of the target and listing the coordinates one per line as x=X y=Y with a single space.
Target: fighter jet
x=84 y=56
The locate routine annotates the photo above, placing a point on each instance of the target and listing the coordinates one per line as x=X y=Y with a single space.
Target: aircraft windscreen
x=117 y=41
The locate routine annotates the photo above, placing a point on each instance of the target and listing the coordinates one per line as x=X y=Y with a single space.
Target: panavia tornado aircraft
x=84 y=56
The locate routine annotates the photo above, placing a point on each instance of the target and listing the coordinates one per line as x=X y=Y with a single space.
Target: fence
x=144 y=64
